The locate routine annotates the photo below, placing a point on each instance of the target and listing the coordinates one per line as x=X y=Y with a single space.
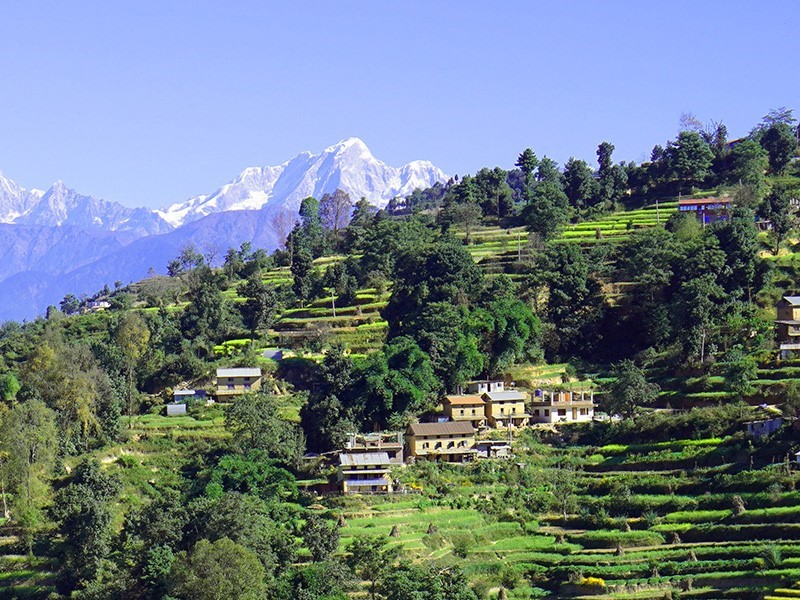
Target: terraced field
x=495 y=248
x=684 y=518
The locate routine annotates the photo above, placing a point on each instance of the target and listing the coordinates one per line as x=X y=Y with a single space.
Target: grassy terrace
x=640 y=533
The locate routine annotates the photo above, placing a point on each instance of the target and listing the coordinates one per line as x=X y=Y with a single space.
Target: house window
x=247 y=386
x=502 y=410
x=451 y=445
x=546 y=412
x=536 y=412
x=514 y=410
x=438 y=446
x=425 y=445
x=562 y=412
x=230 y=386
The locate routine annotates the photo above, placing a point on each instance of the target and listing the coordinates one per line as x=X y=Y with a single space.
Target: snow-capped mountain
x=348 y=165
x=58 y=241
x=62 y=206
x=15 y=200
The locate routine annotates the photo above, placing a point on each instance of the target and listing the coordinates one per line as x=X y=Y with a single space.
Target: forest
x=574 y=277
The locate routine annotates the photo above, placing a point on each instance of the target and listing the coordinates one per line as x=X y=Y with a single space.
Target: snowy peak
x=15 y=200
x=60 y=206
x=348 y=165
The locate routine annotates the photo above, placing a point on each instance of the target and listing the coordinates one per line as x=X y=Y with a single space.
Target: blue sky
x=149 y=103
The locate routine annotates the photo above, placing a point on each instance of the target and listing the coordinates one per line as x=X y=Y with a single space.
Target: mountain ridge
x=58 y=240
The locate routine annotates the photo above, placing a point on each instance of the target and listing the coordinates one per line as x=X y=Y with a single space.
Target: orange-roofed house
x=465 y=408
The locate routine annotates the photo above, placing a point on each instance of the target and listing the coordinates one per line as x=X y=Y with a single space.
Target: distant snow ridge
x=63 y=206
x=348 y=165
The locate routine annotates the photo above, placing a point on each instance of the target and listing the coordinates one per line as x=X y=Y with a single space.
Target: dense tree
x=527 y=163
x=749 y=162
x=302 y=273
x=220 y=570
x=371 y=558
x=548 y=210
x=494 y=194
x=69 y=380
x=255 y=423
x=131 y=337
x=441 y=272
x=738 y=239
x=689 y=159
x=70 y=304
x=574 y=303
x=261 y=527
x=580 y=186
x=411 y=582
x=260 y=305
x=311 y=229
x=321 y=537
x=628 y=391
x=780 y=142
x=398 y=382
x=255 y=474
x=83 y=510
x=206 y=315
x=331 y=412
x=777 y=210
x=9 y=386
x=507 y=330
x=612 y=179
x=28 y=443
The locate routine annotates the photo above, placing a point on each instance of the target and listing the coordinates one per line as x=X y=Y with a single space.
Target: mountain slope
x=348 y=165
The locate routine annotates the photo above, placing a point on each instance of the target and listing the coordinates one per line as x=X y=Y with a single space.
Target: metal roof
x=239 y=372
x=503 y=396
x=793 y=300
x=364 y=459
x=449 y=428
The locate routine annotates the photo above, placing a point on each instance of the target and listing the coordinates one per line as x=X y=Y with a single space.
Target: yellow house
x=365 y=473
x=453 y=441
x=505 y=409
x=235 y=382
x=465 y=408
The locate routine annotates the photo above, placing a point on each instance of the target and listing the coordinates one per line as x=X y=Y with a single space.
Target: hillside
x=640 y=296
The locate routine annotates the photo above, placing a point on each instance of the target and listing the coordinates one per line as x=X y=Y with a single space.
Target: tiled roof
x=448 y=428
x=468 y=400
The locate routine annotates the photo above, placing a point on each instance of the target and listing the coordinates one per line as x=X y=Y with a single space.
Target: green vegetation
x=570 y=279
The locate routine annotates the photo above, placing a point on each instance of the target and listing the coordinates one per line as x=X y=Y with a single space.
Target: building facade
x=706 y=210
x=505 y=409
x=466 y=408
x=365 y=473
x=238 y=381
x=562 y=407
x=453 y=441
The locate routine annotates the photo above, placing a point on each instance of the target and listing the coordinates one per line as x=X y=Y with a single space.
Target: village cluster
x=461 y=433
